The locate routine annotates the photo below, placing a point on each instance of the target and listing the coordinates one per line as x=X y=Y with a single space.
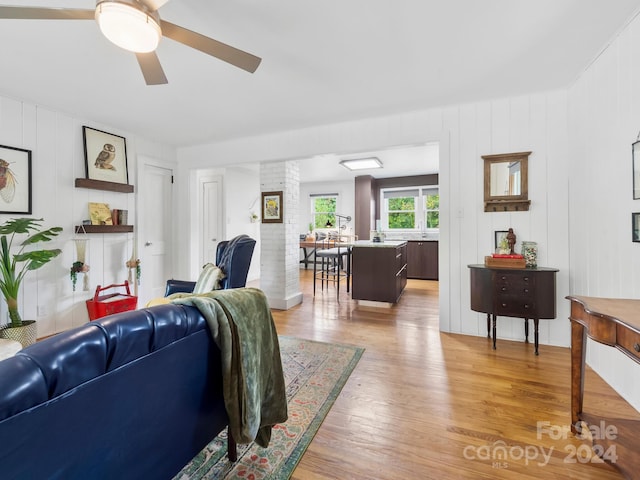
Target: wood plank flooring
x=429 y=405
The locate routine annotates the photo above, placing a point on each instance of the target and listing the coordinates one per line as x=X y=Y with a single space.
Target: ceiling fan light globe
x=128 y=27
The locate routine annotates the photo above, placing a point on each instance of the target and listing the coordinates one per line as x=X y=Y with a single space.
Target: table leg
x=535 y=334
x=526 y=330
x=494 y=331
x=578 y=351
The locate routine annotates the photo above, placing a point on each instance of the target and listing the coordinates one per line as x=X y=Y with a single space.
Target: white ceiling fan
x=135 y=25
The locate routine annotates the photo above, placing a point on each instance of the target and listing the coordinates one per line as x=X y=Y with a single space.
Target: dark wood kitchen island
x=379 y=271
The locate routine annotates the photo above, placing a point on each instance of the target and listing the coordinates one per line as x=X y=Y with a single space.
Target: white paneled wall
x=55 y=140
x=604 y=119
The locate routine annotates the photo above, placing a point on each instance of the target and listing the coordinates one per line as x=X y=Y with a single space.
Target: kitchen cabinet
x=379 y=270
x=422 y=259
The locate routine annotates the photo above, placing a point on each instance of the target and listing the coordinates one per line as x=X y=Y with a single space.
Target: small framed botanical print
x=272 y=207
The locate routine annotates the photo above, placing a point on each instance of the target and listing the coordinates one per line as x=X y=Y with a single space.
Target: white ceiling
x=323 y=62
x=396 y=162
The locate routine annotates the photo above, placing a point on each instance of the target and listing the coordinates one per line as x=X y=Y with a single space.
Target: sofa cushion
x=69 y=358
x=22 y=386
x=129 y=336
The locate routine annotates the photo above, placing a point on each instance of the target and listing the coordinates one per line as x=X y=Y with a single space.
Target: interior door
x=211 y=221
x=155 y=238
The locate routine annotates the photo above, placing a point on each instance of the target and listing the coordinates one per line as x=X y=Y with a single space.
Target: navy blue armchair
x=233 y=257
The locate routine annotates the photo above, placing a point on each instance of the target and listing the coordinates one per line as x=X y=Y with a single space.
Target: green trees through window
x=432 y=209
x=402 y=212
x=324 y=210
x=416 y=208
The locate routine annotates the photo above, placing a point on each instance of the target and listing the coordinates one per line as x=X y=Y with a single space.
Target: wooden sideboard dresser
x=614 y=322
x=528 y=293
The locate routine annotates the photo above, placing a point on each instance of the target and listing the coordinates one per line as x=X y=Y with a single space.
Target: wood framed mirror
x=506 y=178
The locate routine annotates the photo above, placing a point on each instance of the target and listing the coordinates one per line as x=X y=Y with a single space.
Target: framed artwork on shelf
x=635 y=227
x=500 y=241
x=105 y=156
x=272 y=207
x=15 y=180
x=635 y=155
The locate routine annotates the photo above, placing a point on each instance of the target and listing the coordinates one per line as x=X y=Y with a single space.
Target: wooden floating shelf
x=104 y=228
x=101 y=185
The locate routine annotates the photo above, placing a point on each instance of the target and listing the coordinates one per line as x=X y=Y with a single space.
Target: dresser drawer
x=628 y=340
x=523 y=291
x=514 y=280
x=512 y=306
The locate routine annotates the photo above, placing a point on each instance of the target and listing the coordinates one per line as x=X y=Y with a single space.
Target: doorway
x=211 y=227
x=155 y=229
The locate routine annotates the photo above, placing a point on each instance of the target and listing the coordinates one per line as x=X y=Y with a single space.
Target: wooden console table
x=514 y=292
x=614 y=322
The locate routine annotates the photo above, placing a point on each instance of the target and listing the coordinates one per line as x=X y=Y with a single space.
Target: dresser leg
x=494 y=331
x=535 y=325
x=526 y=330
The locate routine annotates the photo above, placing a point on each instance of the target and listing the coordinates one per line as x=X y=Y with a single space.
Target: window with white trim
x=410 y=209
x=323 y=210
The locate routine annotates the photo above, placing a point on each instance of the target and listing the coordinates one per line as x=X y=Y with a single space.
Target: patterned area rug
x=315 y=373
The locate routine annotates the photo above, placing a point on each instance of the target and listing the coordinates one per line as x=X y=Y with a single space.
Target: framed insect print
x=105 y=156
x=15 y=180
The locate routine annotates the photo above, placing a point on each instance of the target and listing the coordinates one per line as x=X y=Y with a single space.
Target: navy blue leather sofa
x=131 y=396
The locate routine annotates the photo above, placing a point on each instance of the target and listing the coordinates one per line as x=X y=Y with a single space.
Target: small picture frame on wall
x=105 y=156
x=635 y=155
x=500 y=241
x=15 y=180
x=272 y=207
x=635 y=227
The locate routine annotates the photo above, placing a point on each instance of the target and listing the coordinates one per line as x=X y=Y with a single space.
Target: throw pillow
x=209 y=279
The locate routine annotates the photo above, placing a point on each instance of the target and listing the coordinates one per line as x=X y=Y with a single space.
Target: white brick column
x=280 y=242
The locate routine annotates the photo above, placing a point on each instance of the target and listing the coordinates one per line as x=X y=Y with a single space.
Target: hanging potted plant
x=14 y=266
x=76 y=268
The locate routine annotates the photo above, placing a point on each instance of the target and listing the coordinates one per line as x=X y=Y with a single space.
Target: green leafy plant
x=13 y=267
x=76 y=268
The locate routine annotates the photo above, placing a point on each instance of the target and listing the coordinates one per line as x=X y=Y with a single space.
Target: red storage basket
x=102 y=305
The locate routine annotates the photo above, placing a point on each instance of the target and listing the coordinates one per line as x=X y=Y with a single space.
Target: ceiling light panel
x=361 y=163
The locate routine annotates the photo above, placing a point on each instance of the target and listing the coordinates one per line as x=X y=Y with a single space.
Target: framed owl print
x=105 y=156
x=15 y=180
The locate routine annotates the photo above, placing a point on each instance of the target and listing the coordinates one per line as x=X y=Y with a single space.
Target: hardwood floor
x=431 y=405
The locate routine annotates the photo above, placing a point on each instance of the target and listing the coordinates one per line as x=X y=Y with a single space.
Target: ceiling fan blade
x=154 y=4
x=151 y=68
x=212 y=47
x=41 y=13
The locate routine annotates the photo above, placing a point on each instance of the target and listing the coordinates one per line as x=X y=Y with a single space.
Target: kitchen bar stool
x=335 y=263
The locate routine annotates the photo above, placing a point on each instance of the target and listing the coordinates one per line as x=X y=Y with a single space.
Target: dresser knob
x=504 y=305
x=526 y=279
x=636 y=347
x=504 y=289
x=526 y=307
x=526 y=290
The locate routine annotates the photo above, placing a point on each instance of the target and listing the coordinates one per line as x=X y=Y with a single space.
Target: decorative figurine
x=511 y=240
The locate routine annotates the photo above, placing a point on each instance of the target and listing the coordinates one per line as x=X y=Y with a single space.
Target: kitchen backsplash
x=394 y=235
